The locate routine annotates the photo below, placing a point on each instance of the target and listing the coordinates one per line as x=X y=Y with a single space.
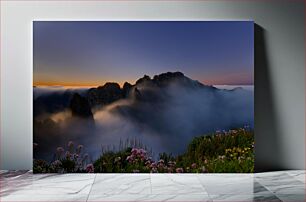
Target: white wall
x=279 y=81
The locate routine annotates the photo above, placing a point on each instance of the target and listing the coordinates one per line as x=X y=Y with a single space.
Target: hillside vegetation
x=223 y=151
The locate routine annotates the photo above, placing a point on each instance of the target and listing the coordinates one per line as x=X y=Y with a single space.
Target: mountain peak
x=162 y=78
x=168 y=76
x=110 y=85
x=144 y=79
x=80 y=107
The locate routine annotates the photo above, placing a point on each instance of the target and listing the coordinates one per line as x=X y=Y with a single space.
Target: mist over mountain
x=53 y=99
x=164 y=112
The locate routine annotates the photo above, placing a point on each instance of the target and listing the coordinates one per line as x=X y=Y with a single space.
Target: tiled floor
x=271 y=186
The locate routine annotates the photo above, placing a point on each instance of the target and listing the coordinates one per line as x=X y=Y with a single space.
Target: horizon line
x=95 y=86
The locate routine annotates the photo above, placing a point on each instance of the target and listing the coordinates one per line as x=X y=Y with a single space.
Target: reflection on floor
x=271 y=186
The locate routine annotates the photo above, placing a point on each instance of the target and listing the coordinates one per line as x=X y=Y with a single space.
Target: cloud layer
x=163 y=119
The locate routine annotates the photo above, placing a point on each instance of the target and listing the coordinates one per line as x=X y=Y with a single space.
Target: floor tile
x=114 y=184
x=43 y=198
x=219 y=184
x=13 y=181
x=259 y=189
x=149 y=198
x=266 y=198
x=286 y=186
x=281 y=183
x=292 y=197
x=176 y=184
x=298 y=175
x=48 y=184
x=245 y=198
x=270 y=175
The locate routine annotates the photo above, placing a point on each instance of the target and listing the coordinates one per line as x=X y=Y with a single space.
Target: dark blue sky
x=92 y=53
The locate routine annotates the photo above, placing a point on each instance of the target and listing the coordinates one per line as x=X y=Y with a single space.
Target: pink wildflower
x=56 y=163
x=153 y=165
x=179 y=170
x=171 y=163
x=161 y=161
x=193 y=166
x=142 y=156
x=70 y=144
x=170 y=170
x=129 y=159
x=134 y=151
x=154 y=170
x=90 y=168
x=142 y=151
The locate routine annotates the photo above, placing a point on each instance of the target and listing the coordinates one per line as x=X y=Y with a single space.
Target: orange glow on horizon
x=72 y=85
x=227 y=79
x=121 y=85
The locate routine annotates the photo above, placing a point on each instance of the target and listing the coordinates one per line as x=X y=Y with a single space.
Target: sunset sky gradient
x=91 y=53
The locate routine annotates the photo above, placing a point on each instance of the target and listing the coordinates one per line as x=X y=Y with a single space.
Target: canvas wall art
x=143 y=96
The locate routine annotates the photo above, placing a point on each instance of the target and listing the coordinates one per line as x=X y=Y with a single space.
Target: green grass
x=221 y=152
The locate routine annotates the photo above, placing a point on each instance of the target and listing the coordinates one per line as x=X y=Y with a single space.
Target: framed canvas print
x=143 y=96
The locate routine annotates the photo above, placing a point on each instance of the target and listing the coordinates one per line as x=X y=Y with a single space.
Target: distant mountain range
x=82 y=103
x=165 y=112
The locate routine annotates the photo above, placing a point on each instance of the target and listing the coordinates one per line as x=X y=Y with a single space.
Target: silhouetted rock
x=144 y=80
x=104 y=95
x=51 y=103
x=111 y=92
x=137 y=93
x=126 y=89
x=166 y=79
x=80 y=107
x=178 y=78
